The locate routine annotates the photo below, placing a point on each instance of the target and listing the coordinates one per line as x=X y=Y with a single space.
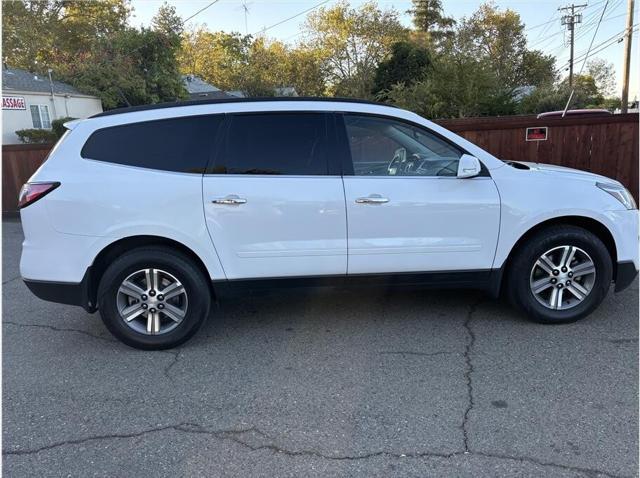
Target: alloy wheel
x=152 y=301
x=562 y=277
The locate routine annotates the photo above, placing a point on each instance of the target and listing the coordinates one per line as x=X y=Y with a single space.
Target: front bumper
x=625 y=275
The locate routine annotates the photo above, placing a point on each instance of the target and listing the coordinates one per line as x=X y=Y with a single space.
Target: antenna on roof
x=245 y=7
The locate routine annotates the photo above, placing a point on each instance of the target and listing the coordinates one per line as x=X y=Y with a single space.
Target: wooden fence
x=19 y=162
x=606 y=145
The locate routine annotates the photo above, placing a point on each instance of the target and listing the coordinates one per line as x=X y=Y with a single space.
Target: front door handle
x=372 y=199
x=231 y=200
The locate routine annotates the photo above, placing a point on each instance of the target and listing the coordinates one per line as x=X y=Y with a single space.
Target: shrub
x=36 y=136
x=57 y=126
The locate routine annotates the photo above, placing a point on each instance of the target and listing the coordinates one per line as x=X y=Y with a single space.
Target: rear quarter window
x=179 y=144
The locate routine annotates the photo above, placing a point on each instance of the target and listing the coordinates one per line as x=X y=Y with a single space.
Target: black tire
x=518 y=275
x=174 y=262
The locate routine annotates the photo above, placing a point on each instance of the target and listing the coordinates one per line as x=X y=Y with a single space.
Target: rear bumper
x=69 y=293
x=626 y=274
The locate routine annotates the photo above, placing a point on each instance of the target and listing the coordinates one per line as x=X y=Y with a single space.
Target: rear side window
x=179 y=144
x=276 y=143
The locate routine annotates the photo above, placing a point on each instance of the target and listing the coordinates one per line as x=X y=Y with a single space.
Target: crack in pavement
x=471 y=339
x=423 y=354
x=10 y=280
x=622 y=341
x=235 y=435
x=60 y=329
x=175 y=354
x=176 y=358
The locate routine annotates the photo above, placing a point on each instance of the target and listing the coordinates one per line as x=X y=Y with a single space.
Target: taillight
x=31 y=192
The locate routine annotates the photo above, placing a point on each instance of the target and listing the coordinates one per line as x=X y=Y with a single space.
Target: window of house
x=40 y=116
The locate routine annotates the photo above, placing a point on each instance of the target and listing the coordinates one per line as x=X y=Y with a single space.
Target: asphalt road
x=368 y=383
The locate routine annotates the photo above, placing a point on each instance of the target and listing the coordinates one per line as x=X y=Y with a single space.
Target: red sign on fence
x=13 y=103
x=536 y=134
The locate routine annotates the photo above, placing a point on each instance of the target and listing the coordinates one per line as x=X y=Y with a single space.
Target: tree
x=488 y=62
x=305 y=72
x=352 y=42
x=219 y=58
x=38 y=34
x=428 y=18
x=555 y=97
x=131 y=67
x=604 y=76
x=407 y=64
x=167 y=21
x=231 y=61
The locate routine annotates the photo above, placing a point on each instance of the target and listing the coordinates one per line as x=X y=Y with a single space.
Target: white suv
x=148 y=213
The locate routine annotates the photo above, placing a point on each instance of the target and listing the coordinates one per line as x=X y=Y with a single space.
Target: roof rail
x=175 y=104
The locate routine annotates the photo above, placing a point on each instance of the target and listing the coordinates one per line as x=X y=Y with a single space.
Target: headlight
x=620 y=193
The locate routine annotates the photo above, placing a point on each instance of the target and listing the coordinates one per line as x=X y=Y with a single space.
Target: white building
x=32 y=101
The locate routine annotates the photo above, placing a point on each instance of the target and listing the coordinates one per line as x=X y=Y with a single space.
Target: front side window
x=40 y=116
x=386 y=147
x=276 y=143
x=179 y=144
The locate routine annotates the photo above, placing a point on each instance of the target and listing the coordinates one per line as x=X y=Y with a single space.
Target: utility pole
x=570 y=20
x=626 y=64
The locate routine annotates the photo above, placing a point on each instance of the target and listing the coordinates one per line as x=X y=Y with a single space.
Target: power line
x=292 y=17
x=585 y=58
x=199 y=11
x=551 y=20
x=598 y=48
x=593 y=38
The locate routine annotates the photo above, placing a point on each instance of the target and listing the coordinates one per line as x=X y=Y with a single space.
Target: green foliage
x=480 y=69
x=37 y=34
x=351 y=44
x=36 y=136
x=132 y=67
x=231 y=61
x=478 y=66
x=554 y=97
x=57 y=126
x=407 y=64
x=88 y=44
x=603 y=75
x=428 y=17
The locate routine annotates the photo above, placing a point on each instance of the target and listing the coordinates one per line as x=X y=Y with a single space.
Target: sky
x=541 y=18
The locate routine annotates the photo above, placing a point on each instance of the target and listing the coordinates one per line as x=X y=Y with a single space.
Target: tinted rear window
x=276 y=143
x=179 y=144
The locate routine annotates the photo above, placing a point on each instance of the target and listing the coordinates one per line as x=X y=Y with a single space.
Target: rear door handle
x=372 y=199
x=231 y=200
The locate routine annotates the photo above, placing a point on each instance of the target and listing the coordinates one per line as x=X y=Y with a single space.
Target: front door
x=272 y=207
x=406 y=209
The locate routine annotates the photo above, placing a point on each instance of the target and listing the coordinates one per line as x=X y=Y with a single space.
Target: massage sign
x=13 y=103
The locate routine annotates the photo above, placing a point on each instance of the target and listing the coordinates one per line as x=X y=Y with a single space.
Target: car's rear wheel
x=560 y=274
x=153 y=298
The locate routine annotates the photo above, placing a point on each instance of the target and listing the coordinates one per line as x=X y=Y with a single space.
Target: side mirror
x=468 y=166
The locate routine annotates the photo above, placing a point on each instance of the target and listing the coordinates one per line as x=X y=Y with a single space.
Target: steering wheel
x=396 y=163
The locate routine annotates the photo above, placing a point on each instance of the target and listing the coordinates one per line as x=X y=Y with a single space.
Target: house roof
x=22 y=80
x=194 y=84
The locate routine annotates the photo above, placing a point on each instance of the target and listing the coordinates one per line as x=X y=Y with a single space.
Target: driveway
x=368 y=383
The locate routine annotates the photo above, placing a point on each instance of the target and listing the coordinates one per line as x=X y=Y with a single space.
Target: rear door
x=274 y=205
x=406 y=209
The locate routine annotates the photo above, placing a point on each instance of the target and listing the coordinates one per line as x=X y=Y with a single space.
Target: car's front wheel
x=560 y=274
x=153 y=298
